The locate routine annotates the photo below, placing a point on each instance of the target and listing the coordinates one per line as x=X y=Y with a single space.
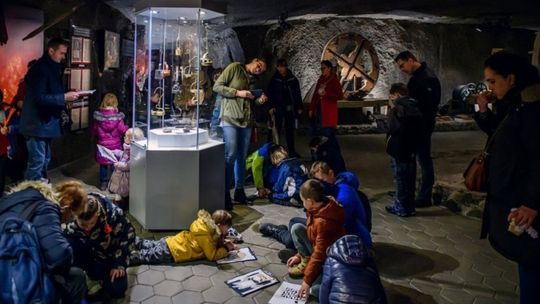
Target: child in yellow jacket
x=205 y=239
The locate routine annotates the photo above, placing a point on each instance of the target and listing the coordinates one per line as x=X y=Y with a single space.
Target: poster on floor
x=286 y=294
x=251 y=282
x=240 y=255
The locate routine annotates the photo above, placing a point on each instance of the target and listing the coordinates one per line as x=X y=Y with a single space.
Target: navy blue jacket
x=329 y=154
x=55 y=248
x=291 y=175
x=425 y=87
x=44 y=99
x=350 y=274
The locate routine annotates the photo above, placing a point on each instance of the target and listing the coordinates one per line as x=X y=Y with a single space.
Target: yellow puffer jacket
x=199 y=242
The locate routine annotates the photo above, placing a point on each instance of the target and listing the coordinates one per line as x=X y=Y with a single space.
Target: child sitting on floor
x=204 y=239
x=291 y=174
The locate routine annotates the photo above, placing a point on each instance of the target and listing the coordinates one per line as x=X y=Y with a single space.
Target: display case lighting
x=155 y=12
x=182 y=18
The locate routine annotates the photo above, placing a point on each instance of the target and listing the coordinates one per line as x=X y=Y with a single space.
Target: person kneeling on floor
x=204 y=239
x=291 y=174
x=324 y=225
x=101 y=236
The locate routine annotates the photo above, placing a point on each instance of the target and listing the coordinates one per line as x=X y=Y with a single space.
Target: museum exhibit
x=270 y=151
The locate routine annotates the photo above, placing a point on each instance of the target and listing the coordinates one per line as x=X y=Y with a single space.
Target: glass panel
x=172 y=89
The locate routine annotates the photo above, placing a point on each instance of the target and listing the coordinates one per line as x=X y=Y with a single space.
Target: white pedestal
x=176 y=138
x=169 y=185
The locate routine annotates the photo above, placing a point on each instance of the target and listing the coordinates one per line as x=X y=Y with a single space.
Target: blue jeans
x=426 y=164
x=39 y=156
x=305 y=249
x=236 y=148
x=529 y=283
x=104 y=173
x=214 y=120
x=405 y=183
x=285 y=236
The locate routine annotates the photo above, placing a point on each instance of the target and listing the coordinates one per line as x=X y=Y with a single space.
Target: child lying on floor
x=204 y=239
x=291 y=175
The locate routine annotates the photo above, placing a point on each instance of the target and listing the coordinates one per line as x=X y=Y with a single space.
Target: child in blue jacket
x=291 y=175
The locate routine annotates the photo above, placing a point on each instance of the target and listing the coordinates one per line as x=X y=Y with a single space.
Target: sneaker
x=397 y=209
x=234 y=236
x=285 y=254
x=103 y=186
x=422 y=204
x=93 y=287
x=297 y=271
x=271 y=230
x=295 y=203
x=240 y=196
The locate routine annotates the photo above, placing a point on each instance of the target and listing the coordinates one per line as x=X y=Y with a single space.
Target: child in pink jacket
x=108 y=127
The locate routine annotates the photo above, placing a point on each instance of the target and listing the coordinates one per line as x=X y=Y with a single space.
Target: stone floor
x=435 y=257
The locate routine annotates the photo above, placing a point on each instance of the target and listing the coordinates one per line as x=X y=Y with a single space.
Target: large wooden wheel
x=356 y=61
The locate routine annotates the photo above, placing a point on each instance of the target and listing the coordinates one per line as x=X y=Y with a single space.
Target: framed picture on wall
x=86 y=54
x=111 y=50
x=76 y=49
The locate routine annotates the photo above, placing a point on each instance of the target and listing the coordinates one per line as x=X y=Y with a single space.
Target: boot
x=297 y=271
x=272 y=230
x=240 y=196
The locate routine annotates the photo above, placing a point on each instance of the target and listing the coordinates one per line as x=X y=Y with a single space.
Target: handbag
x=119 y=183
x=475 y=177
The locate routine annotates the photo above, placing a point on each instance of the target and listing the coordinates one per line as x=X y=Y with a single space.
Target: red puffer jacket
x=326 y=102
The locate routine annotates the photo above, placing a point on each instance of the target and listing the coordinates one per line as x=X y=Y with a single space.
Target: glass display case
x=172 y=93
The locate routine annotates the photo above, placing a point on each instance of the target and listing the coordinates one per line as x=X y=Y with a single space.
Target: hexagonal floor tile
x=137 y=269
x=150 y=277
x=204 y=270
x=197 y=283
x=140 y=293
x=187 y=296
x=157 y=300
x=178 y=273
x=168 y=288
x=218 y=294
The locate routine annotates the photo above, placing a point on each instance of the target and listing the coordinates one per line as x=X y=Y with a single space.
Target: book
x=251 y=281
x=240 y=255
x=286 y=294
x=106 y=153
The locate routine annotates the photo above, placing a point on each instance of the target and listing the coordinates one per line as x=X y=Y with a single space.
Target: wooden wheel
x=356 y=61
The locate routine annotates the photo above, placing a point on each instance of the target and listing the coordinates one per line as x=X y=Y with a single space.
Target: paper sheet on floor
x=286 y=294
x=240 y=255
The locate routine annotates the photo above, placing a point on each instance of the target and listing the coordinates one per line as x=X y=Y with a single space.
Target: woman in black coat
x=513 y=165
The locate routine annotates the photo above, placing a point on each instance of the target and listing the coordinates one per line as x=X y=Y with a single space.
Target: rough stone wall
x=456 y=52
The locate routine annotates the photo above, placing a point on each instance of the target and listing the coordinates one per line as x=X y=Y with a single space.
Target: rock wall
x=456 y=52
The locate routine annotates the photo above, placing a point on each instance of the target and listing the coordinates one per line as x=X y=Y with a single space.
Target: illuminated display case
x=177 y=163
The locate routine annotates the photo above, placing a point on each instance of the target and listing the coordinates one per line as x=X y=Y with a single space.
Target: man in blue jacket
x=45 y=99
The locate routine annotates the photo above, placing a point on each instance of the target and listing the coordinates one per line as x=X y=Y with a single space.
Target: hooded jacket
x=324 y=227
x=513 y=171
x=325 y=106
x=109 y=127
x=350 y=275
x=54 y=247
x=291 y=175
x=200 y=241
x=44 y=99
x=404 y=127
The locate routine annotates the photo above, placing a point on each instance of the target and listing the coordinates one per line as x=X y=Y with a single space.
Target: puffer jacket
x=109 y=127
x=291 y=175
x=513 y=172
x=260 y=165
x=324 y=227
x=202 y=240
x=350 y=274
x=350 y=179
x=54 y=247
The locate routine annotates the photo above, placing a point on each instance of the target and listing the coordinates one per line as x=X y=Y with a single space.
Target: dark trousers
x=99 y=270
x=72 y=287
x=529 y=285
x=426 y=165
x=285 y=236
x=405 y=183
x=104 y=173
x=3 y=173
x=285 y=121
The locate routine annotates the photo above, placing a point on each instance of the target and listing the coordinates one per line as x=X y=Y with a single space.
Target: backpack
x=21 y=268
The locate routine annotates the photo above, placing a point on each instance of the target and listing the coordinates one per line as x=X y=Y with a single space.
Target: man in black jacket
x=424 y=86
x=285 y=102
x=43 y=104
